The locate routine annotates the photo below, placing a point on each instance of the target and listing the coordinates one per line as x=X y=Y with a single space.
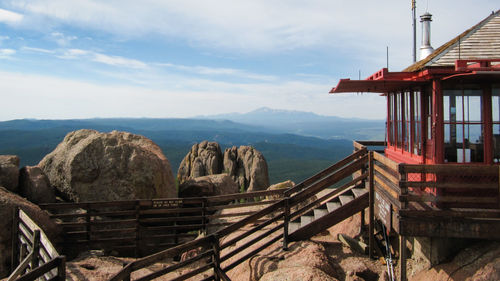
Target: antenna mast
x=414 y=15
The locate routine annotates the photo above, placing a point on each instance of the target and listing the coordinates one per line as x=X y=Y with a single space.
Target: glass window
x=417 y=124
x=463 y=137
x=495 y=111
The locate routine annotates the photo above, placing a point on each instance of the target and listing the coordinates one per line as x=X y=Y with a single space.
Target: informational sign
x=166 y=203
x=383 y=210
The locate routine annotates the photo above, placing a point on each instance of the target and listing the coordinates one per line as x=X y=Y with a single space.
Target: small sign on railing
x=166 y=203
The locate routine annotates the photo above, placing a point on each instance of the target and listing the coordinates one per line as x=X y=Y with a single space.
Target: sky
x=64 y=59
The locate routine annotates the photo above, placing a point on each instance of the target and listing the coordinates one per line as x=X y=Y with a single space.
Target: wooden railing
x=33 y=253
x=225 y=249
x=141 y=227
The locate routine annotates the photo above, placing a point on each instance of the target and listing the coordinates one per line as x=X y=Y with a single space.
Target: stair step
x=318 y=213
x=306 y=219
x=344 y=199
x=293 y=225
x=359 y=191
x=332 y=206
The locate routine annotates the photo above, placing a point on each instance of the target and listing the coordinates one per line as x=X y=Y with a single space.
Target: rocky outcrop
x=297 y=273
x=9 y=172
x=35 y=186
x=8 y=203
x=211 y=185
x=203 y=159
x=282 y=185
x=247 y=166
x=244 y=164
x=274 y=264
x=92 y=166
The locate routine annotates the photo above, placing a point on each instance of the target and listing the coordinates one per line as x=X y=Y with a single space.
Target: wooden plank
x=450 y=228
x=447 y=169
x=176 y=266
x=247 y=195
x=43 y=238
x=394 y=201
x=146 y=261
x=343 y=212
x=446 y=199
x=325 y=172
x=449 y=185
x=371 y=202
x=170 y=211
x=354 y=244
x=330 y=180
x=41 y=270
x=389 y=189
x=247 y=244
x=386 y=161
x=383 y=210
x=252 y=253
x=369 y=143
x=250 y=232
x=462 y=213
x=402 y=258
x=388 y=175
x=250 y=219
x=232 y=206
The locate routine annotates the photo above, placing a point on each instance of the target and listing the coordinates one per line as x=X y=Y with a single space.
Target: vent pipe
x=426 y=48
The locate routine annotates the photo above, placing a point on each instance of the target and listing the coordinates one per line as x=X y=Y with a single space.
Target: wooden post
x=286 y=219
x=15 y=240
x=61 y=269
x=87 y=227
x=370 y=205
x=216 y=248
x=204 y=214
x=137 y=230
x=402 y=258
x=35 y=249
x=498 y=196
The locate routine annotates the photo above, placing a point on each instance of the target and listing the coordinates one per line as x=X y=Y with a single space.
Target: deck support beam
x=402 y=258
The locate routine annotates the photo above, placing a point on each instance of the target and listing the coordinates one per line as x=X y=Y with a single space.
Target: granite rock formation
x=9 y=172
x=92 y=166
x=203 y=159
x=247 y=166
x=211 y=185
x=35 y=186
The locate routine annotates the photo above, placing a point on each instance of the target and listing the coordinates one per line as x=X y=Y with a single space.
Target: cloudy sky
x=64 y=59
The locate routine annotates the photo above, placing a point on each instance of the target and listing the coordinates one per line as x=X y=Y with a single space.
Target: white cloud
x=61 y=39
x=118 y=61
x=248 y=25
x=37 y=50
x=10 y=17
x=64 y=98
x=218 y=71
x=6 y=53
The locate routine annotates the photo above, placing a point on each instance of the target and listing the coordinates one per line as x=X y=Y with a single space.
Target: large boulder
x=35 y=186
x=247 y=166
x=8 y=203
x=210 y=185
x=9 y=172
x=203 y=159
x=92 y=166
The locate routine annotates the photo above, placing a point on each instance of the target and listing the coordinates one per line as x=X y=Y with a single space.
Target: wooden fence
x=32 y=251
x=141 y=227
x=223 y=250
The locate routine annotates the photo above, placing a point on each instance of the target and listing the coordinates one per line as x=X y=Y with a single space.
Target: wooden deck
x=442 y=201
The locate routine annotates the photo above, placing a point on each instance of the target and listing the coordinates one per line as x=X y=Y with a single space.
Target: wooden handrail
x=325 y=172
x=447 y=169
x=327 y=177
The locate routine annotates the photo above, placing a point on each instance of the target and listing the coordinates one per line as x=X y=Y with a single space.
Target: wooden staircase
x=329 y=213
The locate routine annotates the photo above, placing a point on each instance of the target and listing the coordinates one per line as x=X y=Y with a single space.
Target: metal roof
x=482 y=41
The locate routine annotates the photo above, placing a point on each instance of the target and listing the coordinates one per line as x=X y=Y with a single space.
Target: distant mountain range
x=295 y=144
x=307 y=123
